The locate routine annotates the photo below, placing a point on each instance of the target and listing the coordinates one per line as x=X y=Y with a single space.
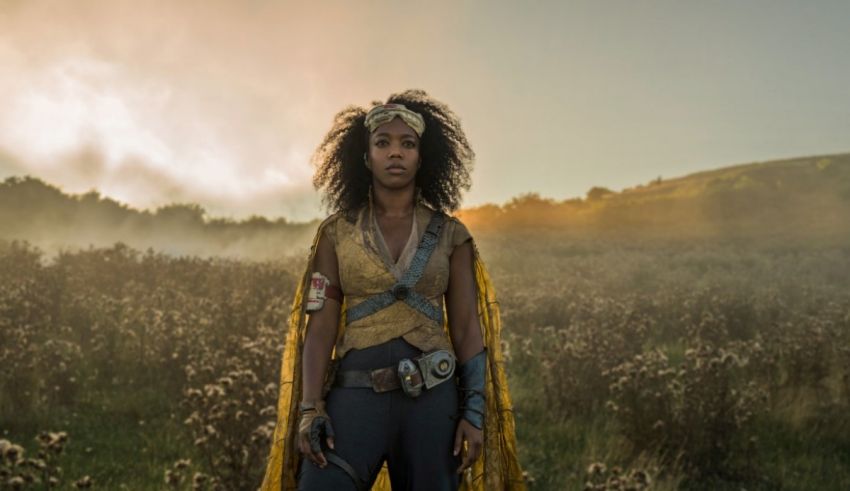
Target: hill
x=796 y=199
x=43 y=215
x=801 y=201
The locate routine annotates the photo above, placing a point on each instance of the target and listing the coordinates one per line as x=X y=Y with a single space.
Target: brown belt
x=380 y=380
x=422 y=372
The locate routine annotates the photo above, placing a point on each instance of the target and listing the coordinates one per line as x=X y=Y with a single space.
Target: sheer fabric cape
x=497 y=467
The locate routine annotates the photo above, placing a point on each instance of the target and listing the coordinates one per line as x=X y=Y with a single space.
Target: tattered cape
x=498 y=467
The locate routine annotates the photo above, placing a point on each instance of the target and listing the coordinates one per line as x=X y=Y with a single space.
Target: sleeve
x=329 y=229
x=460 y=233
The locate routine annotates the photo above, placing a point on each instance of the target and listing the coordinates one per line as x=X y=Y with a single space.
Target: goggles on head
x=385 y=113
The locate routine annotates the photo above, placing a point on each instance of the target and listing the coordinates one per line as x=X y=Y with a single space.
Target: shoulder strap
x=403 y=290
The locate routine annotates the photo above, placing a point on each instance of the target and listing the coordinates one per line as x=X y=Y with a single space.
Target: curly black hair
x=446 y=156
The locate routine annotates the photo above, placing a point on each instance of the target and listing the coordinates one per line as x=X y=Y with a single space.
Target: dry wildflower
x=16 y=482
x=171 y=477
x=198 y=480
x=268 y=411
x=13 y=452
x=84 y=482
x=596 y=468
x=641 y=477
x=214 y=390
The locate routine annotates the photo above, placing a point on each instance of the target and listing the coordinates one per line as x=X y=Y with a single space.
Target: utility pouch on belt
x=411 y=375
x=436 y=367
x=406 y=372
x=432 y=369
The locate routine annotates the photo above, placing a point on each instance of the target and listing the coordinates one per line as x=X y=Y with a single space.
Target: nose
x=395 y=150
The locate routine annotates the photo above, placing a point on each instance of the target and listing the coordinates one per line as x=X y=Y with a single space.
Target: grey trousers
x=415 y=436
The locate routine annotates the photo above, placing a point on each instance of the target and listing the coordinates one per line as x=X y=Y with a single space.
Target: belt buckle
x=407 y=370
x=383 y=380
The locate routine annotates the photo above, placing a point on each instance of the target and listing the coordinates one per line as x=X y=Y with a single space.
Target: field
x=694 y=365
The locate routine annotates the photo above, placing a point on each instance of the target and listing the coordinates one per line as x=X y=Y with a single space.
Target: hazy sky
x=222 y=103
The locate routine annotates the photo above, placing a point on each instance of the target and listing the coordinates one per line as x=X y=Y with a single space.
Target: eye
x=409 y=144
x=380 y=143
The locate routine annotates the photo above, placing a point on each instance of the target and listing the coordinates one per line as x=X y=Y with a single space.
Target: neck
x=393 y=203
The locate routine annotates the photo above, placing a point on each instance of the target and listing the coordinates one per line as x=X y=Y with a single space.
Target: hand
x=474 y=442
x=314 y=423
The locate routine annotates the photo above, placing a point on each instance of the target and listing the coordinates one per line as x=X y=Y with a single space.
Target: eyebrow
x=384 y=133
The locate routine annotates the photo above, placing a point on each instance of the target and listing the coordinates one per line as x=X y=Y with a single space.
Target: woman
x=391 y=388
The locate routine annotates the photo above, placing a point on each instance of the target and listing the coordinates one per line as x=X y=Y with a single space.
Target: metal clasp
x=407 y=375
x=400 y=291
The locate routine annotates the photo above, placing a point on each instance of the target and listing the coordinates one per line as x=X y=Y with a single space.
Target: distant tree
x=92 y=195
x=529 y=200
x=597 y=192
x=182 y=212
x=257 y=222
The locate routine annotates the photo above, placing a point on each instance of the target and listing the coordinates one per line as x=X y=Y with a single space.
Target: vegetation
x=709 y=367
x=711 y=357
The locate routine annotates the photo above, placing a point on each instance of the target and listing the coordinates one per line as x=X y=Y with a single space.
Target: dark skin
x=394 y=159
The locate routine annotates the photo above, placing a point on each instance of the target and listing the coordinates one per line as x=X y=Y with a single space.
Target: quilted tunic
x=366 y=268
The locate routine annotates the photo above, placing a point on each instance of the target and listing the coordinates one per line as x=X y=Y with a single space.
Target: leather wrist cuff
x=307 y=406
x=472 y=374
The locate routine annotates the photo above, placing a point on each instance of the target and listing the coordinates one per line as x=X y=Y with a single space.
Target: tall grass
x=694 y=366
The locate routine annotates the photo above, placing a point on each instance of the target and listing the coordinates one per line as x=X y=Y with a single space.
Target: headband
x=385 y=113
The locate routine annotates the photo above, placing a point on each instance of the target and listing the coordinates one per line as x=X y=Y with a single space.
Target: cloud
x=183 y=100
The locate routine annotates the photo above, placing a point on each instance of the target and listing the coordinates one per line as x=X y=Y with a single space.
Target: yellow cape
x=497 y=468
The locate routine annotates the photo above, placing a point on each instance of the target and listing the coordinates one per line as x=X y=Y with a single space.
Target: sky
x=221 y=103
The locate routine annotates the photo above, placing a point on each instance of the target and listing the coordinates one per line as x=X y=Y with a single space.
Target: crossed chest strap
x=403 y=290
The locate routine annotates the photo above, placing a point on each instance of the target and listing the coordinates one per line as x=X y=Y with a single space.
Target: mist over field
x=796 y=201
x=686 y=333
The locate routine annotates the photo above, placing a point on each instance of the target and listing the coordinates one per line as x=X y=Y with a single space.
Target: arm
x=319 y=340
x=465 y=333
x=321 y=327
x=462 y=304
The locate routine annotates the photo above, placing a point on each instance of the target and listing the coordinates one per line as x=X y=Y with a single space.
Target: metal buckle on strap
x=400 y=291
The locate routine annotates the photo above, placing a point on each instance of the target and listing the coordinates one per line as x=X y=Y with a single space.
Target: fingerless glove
x=315 y=424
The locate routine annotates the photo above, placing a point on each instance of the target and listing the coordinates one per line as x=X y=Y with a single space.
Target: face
x=394 y=154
